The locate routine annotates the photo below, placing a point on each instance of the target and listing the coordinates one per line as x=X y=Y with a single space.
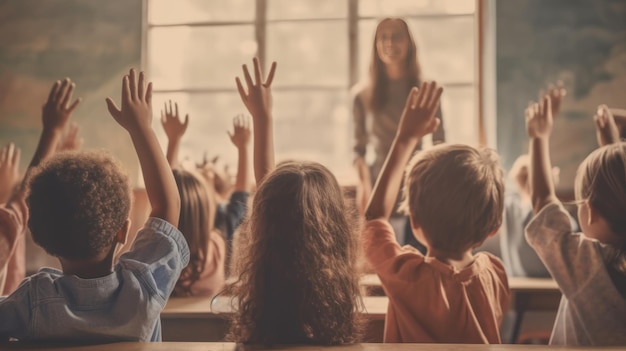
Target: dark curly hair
x=298 y=281
x=78 y=201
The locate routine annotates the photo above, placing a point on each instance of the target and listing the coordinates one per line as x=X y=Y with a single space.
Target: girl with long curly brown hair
x=298 y=282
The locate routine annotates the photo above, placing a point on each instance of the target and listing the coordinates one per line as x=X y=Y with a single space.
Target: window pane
x=299 y=9
x=446 y=54
x=309 y=53
x=193 y=11
x=381 y=8
x=210 y=116
x=195 y=57
x=313 y=125
x=459 y=116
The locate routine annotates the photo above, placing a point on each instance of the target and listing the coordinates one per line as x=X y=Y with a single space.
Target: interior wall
x=581 y=42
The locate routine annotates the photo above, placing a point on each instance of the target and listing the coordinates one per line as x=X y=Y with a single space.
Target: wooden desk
x=205 y=346
x=195 y=319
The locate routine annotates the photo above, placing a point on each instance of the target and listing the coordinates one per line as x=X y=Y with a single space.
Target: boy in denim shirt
x=79 y=205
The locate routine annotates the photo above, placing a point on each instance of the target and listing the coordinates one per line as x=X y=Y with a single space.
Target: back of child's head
x=298 y=280
x=601 y=181
x=78 y=202
x=196 y=221
x=455 y=193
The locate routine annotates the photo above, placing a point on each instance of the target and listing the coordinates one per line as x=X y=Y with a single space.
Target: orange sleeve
x=379 y=242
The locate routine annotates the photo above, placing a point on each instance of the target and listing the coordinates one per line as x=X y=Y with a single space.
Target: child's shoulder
x=486 y=261
x=41 y=285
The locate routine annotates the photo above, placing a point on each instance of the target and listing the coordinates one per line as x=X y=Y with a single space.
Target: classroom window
x=195 y=48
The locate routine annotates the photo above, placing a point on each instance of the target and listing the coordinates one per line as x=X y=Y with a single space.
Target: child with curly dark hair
x=79 y=207
x=298 y=282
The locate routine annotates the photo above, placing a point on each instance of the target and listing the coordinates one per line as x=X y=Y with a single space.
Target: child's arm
x=539 y=127
x=607 y=131
x=174 y=129
x=9 y=163
x=136 y=116
x=258 y=101
x=241 y=139
x=56 y=113
x=418 y=119
x=364 y=187
x=70 y=140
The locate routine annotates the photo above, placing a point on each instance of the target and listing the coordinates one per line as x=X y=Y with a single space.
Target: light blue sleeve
x=158 y=255
x=15 y=313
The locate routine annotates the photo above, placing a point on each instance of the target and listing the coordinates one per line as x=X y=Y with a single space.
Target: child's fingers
x=68 y=96
x=3 y=155
x=141 y=86
x=176 y=107
x=257 y=71
x=270 y=76
x=74 y=105
x=186 y=121
x=430 y=91
x=54 y=90
x=411 y=100
x=242 y=92
x=149 y=93
x=132 y=80
x=547 y=105
x=170 y=112
x=113 y=109
x=599 y=121
x=15 y=161
x=421 y=94
x=246 y=76
x=435 y=99
x=61 y=91
x=126 y=96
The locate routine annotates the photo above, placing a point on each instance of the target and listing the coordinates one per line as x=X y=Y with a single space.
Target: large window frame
x=261 y=23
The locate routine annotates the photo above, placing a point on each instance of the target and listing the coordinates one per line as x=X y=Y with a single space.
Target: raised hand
x=136 y=111
x=174 y=127
x=258 y=96
x=556 y=95
x=9 y=176
x=241 y=135
x=539 y=119
x=607 y=131
x=71 y=141
x=418 y=118
x=57 y=109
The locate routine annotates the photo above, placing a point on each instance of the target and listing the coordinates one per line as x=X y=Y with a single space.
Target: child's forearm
x=387 y=186
x=241 y=182
x=541 y=184
x=45 y=148
x=173 y=145
x=159 y=180
x=263 y=148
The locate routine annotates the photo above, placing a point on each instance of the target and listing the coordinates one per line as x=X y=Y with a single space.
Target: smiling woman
x=378 y=103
